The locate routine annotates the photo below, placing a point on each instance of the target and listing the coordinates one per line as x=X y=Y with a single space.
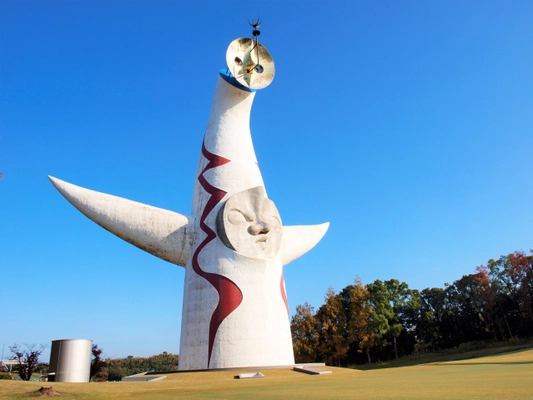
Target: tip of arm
x=299 y=239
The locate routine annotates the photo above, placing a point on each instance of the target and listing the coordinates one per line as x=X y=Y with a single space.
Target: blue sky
x=407 y=125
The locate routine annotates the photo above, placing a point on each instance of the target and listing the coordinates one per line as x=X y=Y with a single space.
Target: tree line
x=384 y=320
x=101 y=369
x=117 y=368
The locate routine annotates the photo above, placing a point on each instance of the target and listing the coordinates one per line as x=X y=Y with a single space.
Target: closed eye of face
x=269 y=213
x=238 y=217
x=270 y=218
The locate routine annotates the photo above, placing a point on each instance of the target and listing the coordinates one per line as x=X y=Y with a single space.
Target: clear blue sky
x=406 y=124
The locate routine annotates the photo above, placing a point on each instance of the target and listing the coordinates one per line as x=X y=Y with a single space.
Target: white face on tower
x=249 y=223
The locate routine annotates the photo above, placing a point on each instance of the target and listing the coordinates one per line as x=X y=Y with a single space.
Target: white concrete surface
x=235 y=309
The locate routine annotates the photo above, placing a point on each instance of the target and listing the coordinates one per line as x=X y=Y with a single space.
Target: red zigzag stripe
x=284 y=293
x=229 y=295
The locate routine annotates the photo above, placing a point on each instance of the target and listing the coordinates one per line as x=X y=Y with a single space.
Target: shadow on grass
x=448 y=357
x=483 y=363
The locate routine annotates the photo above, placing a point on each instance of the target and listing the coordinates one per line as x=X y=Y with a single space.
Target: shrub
x=514 y=340
x=101 y=376
x=470 y=346
x=5 y=375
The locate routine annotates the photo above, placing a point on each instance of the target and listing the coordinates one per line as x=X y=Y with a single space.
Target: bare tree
x=27 y=358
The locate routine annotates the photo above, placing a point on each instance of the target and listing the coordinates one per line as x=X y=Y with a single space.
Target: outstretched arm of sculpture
x=299 y=239
x=165 y=234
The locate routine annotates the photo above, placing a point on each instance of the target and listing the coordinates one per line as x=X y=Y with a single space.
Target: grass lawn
x=448 y=355
x=502 y=376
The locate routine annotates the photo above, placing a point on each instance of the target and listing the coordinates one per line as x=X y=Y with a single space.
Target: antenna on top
x=255 y=23
x=249 y=61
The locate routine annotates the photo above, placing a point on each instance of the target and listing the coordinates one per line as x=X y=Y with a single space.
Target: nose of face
x=259 y=228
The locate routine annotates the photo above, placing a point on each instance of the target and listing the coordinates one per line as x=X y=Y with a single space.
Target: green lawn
x=503 y=376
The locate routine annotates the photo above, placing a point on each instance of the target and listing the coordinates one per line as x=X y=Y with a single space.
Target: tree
x=465 y=311
x=519 y=268
x=117 y=368
x=359 y=313
x=97 y=362
x=27 y=358
x=497 y=292
x=333 y=343
x=394 y=306
x=102 y=376
x=406 y=306
x=432 y=313
x=488 y=295
x=304 y=334
x=165 y=362
x=384 y=323
x=506 y=286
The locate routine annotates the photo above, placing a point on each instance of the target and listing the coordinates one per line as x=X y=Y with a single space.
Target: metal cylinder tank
x=70 y=360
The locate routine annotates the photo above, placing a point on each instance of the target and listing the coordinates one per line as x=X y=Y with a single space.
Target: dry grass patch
x=45 y=391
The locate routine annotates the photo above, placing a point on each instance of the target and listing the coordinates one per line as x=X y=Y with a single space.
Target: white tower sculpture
x=233 y=245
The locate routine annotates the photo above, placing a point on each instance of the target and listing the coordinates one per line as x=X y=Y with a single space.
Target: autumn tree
x=97 y=362
x=359 y=312
x=331 y=323
x=496 y=290
x=488 y=296
x=28 y=359
x=506 y=286
x=304 y=334
x=519 y=269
